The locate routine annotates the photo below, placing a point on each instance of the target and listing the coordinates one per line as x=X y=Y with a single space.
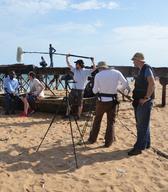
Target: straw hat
x=138 y=56
x=102 y=64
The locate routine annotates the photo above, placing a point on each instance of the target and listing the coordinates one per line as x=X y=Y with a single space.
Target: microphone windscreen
x=19 y=54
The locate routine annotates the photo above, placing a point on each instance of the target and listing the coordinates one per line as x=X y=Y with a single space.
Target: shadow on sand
x=57 y=159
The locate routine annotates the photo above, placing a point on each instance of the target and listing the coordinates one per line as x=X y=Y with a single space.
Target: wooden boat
x=51 y=104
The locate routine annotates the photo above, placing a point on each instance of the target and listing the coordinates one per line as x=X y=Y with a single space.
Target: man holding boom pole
x=80 y=78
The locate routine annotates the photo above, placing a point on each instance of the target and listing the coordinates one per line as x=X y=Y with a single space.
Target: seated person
x=36 y=92
x=11 y=87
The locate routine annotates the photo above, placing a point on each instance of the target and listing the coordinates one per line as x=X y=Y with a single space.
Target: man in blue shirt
x=11 y=87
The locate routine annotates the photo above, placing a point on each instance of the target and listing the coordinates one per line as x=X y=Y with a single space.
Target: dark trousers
x=32 y=101
x=142 y=116
x=101 y=108
x=10 y=102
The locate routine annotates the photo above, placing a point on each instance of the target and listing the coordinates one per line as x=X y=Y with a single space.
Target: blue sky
x=107 y=30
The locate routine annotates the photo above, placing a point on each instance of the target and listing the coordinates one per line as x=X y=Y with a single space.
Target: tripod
x=68 y=107
x=89 y=119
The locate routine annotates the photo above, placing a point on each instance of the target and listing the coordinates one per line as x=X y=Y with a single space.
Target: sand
x=53 y=169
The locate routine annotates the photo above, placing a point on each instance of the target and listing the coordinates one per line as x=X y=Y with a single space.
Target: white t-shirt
x=80 y=77
x=35 y=87
x=107 y=81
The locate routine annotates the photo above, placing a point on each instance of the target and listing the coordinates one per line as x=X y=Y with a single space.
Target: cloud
x=139 y=33
x=95 y=4
x=44 y=6
x=34 y=6
x=68 y=29
x=77 y=27
x=122 y=42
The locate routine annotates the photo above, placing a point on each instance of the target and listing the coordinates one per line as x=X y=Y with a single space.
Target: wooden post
x=163 y=95
x=163 y=81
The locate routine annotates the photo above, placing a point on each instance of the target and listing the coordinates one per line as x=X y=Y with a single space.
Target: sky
x=108 y=30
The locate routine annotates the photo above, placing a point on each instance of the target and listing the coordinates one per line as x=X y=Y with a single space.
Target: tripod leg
x=79 y=131
x=89 y=118
x=68 y=113
x=46 y=132
x=73 y=143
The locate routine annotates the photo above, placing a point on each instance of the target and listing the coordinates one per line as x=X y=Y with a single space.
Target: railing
x=22 y=70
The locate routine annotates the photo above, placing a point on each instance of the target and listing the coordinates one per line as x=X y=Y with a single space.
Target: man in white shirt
x=105 y=86
x=80 y=78
x=36 y=92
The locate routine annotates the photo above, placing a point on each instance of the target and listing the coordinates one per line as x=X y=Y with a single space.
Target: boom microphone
x=19 y=54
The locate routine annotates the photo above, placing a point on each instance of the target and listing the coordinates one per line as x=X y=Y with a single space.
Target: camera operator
x=80 y=78
x=105 y=86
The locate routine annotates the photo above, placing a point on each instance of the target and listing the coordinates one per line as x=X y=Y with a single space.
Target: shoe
x=23 y=114
x=134 y=152
x=107 y=145
x=88 y=142
x=148 y=147
x=77 y=117
x=65 y=116
x=31 y=111
x=13 y=112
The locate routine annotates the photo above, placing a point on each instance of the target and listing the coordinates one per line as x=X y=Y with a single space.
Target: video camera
x=93 y=74
x=43 y=62
x=67 y=77
x=88 y=89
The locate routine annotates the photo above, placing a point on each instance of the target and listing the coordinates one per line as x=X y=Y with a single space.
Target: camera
x=67 y=77
x=88 y=89
x=93 y=74
x=43 y=62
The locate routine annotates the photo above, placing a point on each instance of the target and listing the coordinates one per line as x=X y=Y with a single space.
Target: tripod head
x=67 y=77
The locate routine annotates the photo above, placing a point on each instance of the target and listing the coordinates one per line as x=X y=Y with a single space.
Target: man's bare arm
x=151 y=86
x=93 y=62
x=67 y=61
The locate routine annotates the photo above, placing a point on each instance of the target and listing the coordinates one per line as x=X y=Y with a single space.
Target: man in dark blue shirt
x=143 y=95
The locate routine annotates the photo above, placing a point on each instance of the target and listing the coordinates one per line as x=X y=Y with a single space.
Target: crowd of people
x=105 y=88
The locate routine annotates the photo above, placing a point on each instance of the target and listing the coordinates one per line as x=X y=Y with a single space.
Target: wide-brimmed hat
x=102 y=64
x=138 y=56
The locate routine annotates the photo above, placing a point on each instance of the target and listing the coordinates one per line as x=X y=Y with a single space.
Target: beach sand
x=52 y=168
